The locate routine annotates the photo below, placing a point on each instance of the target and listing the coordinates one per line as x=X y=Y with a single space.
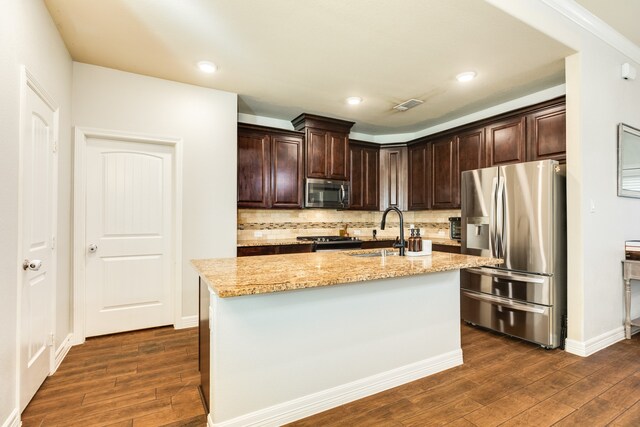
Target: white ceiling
x=285 y=57
x=621 y=15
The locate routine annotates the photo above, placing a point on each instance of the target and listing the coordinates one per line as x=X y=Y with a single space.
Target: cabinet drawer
x=531 y=322
x=446 y=248
x=274 y=249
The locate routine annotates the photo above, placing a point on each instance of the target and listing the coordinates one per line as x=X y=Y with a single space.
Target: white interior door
x=129 y=257
x=38 y=144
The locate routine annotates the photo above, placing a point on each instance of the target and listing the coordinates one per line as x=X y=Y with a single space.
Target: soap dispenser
x=418 y=241
x=411 y=243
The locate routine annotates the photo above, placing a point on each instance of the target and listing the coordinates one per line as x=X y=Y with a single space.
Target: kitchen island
x=287 y=336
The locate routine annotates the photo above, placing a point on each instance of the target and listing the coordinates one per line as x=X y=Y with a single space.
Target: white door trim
x=79 y=212
x=29 y=81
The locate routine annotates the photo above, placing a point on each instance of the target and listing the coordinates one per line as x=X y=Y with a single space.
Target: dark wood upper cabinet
x=506 y=141
x=270 y=167
x=286 y=172
x=470 y=155
x=317 y=148
x=338 y=163
x=419 y=176
x=327 y=146
x=393 y=177
x=470 y=150
x=254 y=169
x=365 y=185
x=444 y=177
x=547 y=133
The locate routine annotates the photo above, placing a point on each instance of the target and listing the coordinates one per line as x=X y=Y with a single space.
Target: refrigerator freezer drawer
x=530 y=322
x=531 y=288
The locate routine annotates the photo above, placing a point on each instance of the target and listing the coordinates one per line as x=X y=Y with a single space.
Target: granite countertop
x=231 y=277
x=278 y=242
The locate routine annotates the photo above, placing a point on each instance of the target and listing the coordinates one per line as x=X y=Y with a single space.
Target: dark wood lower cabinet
x=446 y=248
x=377 y=244
x=380 y=244
x=204 y=343
x=273 y=249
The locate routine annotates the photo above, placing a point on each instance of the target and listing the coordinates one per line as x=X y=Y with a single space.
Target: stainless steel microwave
x=326 y=193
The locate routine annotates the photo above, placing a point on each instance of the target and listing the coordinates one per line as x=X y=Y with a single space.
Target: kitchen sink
x=381 y=253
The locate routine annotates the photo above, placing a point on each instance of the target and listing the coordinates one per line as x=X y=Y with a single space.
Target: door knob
x=31 y=265
x=93 y=248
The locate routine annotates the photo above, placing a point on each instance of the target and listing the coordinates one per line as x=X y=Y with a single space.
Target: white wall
x=28 y=36
x=597 y=100
x=206 y=121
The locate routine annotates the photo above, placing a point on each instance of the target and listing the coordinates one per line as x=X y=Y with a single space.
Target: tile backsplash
x=257 y=224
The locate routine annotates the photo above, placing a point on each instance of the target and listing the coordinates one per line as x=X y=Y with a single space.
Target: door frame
x=29 y=82
x=81 y=135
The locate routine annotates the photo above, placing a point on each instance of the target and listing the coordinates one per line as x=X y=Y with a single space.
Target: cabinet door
x=356 y=185
x=254 y=170
x=338 y=162
x=506 y=141
x=371 y=194
x=393 y=178
x=547 y=134
x=470 y=154
x=317 y=150
x=286 y=172
x=364 y=182
x=444 y=178
x=419 y=176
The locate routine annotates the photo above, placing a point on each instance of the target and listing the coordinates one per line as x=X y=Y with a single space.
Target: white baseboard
x=61 y=353
x=593 y=345
x=13 y=420
x=321 y=401
x=187 y=322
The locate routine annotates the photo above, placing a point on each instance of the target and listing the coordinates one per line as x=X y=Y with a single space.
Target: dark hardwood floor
x=140 y=378
x=508 y=382
x=150 y=378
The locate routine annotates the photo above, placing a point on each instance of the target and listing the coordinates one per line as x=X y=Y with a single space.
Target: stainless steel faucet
x=400 y=244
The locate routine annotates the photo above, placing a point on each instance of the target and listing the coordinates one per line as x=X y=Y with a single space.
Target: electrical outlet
x=257 y=234
x=356 y=232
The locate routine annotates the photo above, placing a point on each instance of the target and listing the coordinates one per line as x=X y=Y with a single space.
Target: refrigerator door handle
x=503 y=201
x=500 y=218
x=492 y=219
x=503 y=302
x=505 y=275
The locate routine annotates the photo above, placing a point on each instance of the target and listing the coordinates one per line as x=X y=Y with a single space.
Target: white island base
x=280 y=357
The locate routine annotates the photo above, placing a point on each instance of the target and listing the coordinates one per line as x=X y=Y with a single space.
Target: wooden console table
x=630 y=271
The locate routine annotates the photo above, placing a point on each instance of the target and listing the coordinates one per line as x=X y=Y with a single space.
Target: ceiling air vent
x=408 y=104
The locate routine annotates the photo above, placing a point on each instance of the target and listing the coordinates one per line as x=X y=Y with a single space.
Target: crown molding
x=596 y=26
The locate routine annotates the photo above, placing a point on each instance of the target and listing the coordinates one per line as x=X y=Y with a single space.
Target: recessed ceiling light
x=354 y=100
x=207 y=66
x=466 y=76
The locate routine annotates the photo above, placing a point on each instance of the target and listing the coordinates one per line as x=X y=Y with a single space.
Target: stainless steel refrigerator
x=517 y=213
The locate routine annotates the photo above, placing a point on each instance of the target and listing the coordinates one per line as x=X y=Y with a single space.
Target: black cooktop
x=328 y=239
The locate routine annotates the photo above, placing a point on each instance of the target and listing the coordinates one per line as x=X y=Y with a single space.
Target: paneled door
x=128 y=252
x=38 y=142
